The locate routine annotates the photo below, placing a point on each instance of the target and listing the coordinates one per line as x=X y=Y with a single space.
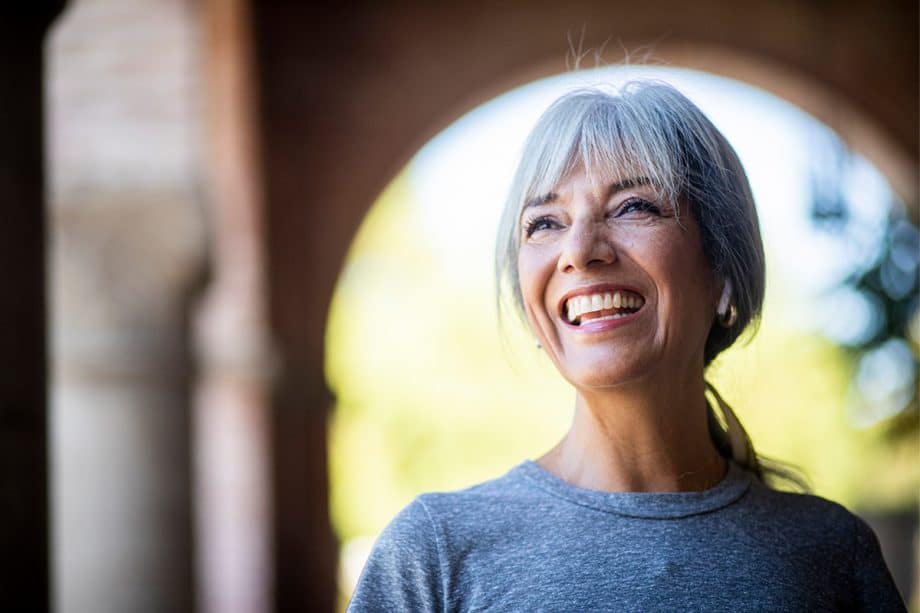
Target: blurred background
x=256 y=316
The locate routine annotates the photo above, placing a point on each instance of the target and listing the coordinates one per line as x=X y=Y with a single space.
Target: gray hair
x=649 y=129
x=646 y=129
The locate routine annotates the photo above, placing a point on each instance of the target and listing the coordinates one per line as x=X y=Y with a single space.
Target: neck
x=640 y=438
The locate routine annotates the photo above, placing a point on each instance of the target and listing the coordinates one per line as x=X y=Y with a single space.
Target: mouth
x=597 y=306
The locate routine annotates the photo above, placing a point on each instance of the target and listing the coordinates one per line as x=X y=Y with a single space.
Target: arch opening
x=427 y=398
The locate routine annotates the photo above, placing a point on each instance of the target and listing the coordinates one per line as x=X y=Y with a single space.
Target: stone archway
x=348 y=94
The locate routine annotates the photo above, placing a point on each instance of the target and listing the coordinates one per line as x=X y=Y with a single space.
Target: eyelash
x=637 y=204
x=633 y=204
x=532 y=225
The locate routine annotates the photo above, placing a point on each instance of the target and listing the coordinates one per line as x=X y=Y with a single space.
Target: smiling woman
x=592 y=249
x=631 y=246
x=613 y=188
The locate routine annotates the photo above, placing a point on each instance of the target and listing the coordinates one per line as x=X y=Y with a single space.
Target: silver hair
x=649 y=129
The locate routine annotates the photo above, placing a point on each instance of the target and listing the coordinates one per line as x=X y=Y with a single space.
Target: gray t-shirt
x=529 y=541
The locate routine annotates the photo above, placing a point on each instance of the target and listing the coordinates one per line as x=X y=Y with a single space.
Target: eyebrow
x=615 y=187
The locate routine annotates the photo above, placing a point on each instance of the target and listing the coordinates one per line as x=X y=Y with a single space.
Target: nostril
x=584 y=250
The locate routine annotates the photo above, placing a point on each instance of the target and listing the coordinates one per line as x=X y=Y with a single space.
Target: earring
x=727 y=320
x=537 y=343
x=727 y=311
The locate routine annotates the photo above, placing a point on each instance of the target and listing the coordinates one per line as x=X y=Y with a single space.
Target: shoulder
x=480 y=518
x=819 y=538
x=493 y=508
x=403 y=571
x=409 y=562
x=422 y=521
x=428 y=513
x=805 y=512
x=806 y=522
x=845 y=543
x=485 y=497
x=412 y=520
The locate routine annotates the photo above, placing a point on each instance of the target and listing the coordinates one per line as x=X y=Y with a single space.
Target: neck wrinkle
x=650 y=440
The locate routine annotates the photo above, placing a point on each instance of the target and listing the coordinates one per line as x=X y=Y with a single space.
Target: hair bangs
x=611 y=138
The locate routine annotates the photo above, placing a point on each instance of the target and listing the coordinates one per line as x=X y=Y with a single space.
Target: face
x=615 y=286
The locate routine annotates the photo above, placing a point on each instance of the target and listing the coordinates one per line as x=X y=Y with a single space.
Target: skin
x=640 y=413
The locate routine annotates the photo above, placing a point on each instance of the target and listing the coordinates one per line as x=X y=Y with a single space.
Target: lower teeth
x=606 y=317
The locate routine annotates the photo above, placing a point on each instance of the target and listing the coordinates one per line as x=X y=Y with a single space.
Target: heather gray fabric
x=528 y=541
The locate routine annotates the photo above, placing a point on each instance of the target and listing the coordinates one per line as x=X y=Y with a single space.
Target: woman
x=631 y=244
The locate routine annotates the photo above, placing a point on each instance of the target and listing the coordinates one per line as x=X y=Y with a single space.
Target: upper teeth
x=579 y=305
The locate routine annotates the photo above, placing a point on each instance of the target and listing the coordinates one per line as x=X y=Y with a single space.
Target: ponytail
x=733 y=443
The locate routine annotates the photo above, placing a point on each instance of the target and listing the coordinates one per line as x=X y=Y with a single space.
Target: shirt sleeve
x=403 y=571
x=874 y=587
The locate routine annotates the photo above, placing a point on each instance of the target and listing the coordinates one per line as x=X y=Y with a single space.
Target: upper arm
x=872 y=582
x=403 y=571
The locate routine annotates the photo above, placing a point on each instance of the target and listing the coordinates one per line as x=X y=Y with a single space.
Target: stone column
x=128 y=246
x=233 y=472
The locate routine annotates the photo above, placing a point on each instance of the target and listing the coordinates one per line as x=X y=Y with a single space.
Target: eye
x=538 y=224
x=637 y=205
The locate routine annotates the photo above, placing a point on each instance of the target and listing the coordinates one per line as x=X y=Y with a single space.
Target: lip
x=599 y=288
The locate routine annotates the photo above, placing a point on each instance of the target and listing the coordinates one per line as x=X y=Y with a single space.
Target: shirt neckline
x=649 y=505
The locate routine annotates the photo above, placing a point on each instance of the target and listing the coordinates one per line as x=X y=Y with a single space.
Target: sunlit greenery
x=428 y=398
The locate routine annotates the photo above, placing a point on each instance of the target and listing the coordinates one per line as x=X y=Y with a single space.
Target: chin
x=605 y=373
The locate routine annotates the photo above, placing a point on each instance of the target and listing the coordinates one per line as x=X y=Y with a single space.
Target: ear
x=725 y=299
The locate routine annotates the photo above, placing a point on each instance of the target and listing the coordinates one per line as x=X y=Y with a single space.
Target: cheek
x=683 y=276
x=534 y=271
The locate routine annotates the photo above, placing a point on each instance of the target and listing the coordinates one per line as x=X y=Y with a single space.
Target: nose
x=587 y=245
